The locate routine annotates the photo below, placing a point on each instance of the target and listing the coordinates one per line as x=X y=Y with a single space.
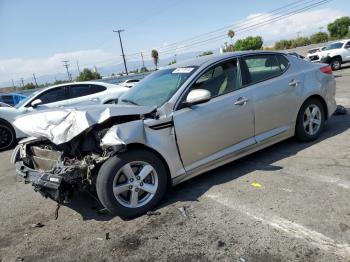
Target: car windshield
x=22 y=102
x=334 y=46
x=157 y=88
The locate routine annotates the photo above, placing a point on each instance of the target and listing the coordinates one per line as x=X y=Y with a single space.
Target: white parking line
x=295 y=230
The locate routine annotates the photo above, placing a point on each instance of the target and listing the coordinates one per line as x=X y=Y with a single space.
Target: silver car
x=177 y=123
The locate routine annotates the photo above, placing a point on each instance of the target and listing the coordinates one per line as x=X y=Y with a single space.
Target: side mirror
x=197 y=96
x=36 y=102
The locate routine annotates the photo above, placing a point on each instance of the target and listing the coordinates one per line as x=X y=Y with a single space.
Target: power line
x=250 y=27
x=121 y=46
x=265 y=19
x=242 y=22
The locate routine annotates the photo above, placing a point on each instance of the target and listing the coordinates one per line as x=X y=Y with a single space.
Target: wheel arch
x=4 y=121
x=321 y=99
x=337 y=56
x=133 y=146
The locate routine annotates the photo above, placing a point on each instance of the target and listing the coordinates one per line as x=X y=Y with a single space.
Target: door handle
x=241 y=101
x=294 y=82
x=94 y=99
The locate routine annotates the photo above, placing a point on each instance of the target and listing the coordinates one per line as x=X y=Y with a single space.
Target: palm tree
x=231 y=34
x=155 y=57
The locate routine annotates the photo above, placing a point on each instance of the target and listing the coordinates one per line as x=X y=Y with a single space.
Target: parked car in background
x=68 y=94
x=130 y=82
x=335 y=54
x=179 y=122
x=11 y=99
x=314 y=50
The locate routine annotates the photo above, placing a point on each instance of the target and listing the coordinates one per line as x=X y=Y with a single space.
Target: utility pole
x=22 y=82
x=35 y=80
x=143 y=62
x=66 y=65
x=78 y=66
x=121 y=46
x=13 y=84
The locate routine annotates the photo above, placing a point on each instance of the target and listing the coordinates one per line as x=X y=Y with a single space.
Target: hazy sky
x=36 y=35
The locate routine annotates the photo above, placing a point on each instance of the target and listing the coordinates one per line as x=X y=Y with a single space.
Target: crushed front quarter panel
x=61 y=125
x=161 y=140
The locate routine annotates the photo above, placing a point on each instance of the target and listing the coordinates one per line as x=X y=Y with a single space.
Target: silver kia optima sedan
x=178 y=122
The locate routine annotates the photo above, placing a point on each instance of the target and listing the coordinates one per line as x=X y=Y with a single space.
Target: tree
x=300 y=41
x=231 y=34
x=155 y=57
x=172 y=62
x=144 y=70
x=339 y=28
x=319 y=37
x=87 y=75
x=29 y=86
x=249 y=43
x=283 y=44
x=206 y=53
x=228 y=48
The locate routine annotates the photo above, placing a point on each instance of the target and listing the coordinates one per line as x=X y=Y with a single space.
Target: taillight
x=326 y=70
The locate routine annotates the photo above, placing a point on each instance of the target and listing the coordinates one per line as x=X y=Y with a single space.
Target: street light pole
x=121 y=46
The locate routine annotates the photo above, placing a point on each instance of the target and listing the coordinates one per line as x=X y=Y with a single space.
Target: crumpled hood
x=61 y=125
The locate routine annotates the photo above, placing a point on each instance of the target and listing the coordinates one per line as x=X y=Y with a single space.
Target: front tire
x=310 y=120
x=131 y=183
x=7 y=136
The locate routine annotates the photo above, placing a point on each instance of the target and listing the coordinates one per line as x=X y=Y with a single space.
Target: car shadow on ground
x=192 y=190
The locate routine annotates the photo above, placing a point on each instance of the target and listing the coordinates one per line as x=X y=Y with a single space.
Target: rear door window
x=84 y=90
x=263 y=67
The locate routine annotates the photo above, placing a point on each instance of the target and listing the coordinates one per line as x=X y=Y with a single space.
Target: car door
x=213 y=130
x=274 y=88
x=54 y=97
x=84 y=94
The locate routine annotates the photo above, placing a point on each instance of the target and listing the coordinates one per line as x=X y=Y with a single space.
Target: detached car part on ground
x=177 y=123
x=67 y=94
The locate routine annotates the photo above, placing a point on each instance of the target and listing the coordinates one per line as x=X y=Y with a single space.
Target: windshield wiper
x=130 y=102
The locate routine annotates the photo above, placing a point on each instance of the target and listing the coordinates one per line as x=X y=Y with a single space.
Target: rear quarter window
x=283 y=62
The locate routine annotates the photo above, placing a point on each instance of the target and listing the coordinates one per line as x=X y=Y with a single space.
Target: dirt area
x=289 y=202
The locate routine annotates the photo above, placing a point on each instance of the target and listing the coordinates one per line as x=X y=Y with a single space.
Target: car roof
x=108 y=85
x=209 y=59
x=341 y=41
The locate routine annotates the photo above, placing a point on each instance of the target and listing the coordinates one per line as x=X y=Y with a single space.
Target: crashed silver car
x=178 y=122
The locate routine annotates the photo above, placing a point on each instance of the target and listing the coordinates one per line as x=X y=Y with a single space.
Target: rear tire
x=310 y=120
x=131 y=183
x=7 y=136
x=335 y=64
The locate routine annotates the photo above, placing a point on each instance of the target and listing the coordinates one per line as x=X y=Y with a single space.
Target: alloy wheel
x=135 y=184
x=312 y=119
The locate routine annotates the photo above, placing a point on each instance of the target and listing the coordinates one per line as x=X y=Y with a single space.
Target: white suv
x=335 y=54
x=69 y=94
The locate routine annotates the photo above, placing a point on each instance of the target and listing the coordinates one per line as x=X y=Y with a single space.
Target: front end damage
x=57 y=168
x=57 y=171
